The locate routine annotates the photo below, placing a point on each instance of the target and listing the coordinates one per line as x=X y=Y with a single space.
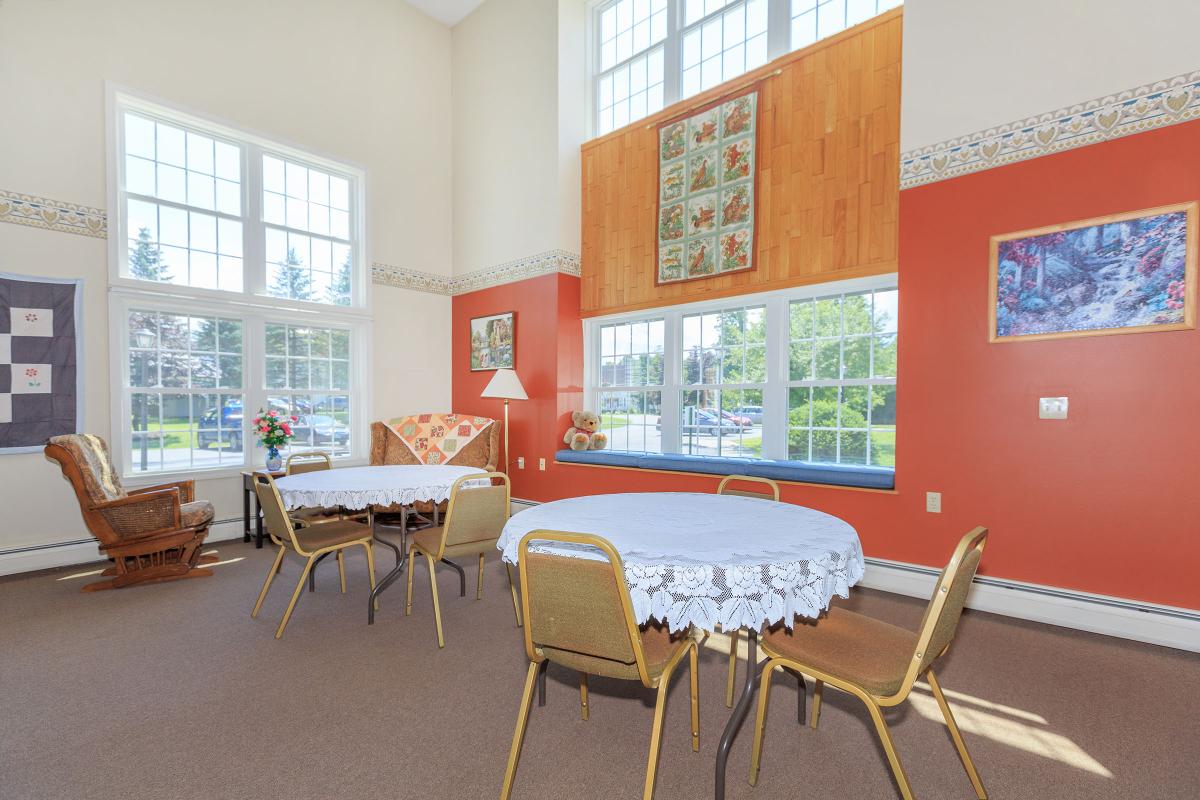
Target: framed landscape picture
x=493 y=342
x=1124 y=273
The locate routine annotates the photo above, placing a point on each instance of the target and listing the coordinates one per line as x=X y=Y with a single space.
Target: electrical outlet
x=520 y=462
x=1052 y=408
x=542 y=464
x=933 y=502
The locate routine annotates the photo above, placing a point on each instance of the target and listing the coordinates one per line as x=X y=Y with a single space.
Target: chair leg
x=764 y=698
x=660 y=707
x=437 y=611
x=370 y=548
x=342 y=569
x=694 y=679
x=267 y=583
x=514 y=754
x=513 y=588
x=479 y=582
x=889 y=747
x=412 y=562
x=583 y=695
x=295 y=596
x=816 y=714
x=733 y=654
x=956 y=735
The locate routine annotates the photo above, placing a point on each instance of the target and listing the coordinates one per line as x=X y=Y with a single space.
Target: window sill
x=840 y=475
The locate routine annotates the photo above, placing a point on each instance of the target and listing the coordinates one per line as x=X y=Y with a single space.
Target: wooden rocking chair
x=151 y=534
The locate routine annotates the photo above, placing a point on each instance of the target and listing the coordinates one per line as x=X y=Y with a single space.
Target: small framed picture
x=1124 y=273
x=494 y=342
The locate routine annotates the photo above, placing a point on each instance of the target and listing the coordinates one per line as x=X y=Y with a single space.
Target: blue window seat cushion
x=799 y=471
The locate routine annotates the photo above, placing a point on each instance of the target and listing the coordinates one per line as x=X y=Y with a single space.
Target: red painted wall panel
x=1103 y=502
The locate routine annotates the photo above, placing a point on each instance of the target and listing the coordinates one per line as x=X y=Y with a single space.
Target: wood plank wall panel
x=828 y=179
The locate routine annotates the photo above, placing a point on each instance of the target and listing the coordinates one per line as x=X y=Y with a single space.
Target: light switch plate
x=520 y=462
x=542 y=464
x=1052 y=408
x=933 y=502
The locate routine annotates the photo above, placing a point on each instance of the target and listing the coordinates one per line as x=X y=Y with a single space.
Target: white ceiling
x=447 y=12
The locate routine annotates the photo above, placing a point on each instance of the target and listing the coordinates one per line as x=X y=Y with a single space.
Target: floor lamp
x=507 y=385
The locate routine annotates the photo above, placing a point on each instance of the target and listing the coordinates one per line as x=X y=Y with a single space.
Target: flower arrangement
x=274 y=431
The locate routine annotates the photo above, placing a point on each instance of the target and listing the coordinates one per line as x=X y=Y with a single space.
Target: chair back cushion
x=950 y=597
x=574 y=604
x=299 y=463
x=90 y=453
x=478 y=514
x=275 y=518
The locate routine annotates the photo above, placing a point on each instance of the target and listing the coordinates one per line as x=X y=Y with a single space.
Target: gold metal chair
x=309 y=542
x=877 y=662
x=578 y=614
x=315 y=461
x=771 y=492
x=474 y=520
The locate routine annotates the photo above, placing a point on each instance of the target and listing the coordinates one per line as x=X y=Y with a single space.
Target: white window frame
x=779 y=35
x=252 y=306
x=775 y=390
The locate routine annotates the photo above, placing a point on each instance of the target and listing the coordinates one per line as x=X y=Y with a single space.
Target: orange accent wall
x=1106 y=501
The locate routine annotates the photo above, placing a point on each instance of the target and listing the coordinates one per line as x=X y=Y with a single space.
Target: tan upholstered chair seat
x=657 y=645
x=193 y=515
x=329 y=534
x=865 y=651
x=429 y=538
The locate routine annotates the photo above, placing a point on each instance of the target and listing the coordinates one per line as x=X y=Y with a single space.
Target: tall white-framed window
x=238 y=284
x=805 y=374
x=648 y=54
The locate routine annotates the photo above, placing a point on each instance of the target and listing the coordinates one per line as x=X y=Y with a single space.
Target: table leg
x=397 y=570
x=258 y=524
x=246 y=492
x=739 y=711
x=462 y=577
x=542 y=682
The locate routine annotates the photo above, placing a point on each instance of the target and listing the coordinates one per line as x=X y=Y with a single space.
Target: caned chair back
x=275 y=516
x=770 y=488
x=476 y=513
x=580 y=605
x=315 y=461
x=946 y=606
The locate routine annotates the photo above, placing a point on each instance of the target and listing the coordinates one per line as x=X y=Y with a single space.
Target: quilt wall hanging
x=41 y=360
x=706 y=166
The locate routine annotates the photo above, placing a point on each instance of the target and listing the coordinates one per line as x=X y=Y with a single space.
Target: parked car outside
x=752 y=413
x=741 y=422
x=209 y=433
x=705 y=421
x=325 y=430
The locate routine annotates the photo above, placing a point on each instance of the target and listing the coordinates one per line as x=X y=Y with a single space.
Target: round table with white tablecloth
x=364 y=487
x=705 y=560
x=385 y=485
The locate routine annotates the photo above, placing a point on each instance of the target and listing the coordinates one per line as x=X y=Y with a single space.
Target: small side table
x=249 y=494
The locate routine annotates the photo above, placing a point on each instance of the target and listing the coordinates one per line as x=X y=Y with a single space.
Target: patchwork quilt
x=40 y=360
x=437 y=438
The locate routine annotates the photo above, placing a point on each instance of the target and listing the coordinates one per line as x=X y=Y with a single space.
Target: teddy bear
x=582 y=435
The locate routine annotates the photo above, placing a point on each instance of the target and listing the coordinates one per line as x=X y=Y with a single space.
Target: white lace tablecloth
x=360 y=487
x=707 y=559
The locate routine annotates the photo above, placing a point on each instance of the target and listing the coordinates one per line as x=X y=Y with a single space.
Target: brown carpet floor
x=172 y=691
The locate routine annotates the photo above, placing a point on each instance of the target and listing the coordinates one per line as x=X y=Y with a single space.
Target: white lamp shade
x=505 y=384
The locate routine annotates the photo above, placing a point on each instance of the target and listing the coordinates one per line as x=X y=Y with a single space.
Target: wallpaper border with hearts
x=1154 y=105
x=55 y=215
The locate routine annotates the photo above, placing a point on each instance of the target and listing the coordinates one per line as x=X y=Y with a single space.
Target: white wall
x=365 y=81
x=519 y=91
x=969 y=66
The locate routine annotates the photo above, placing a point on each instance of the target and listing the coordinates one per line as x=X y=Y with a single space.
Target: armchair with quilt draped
x=483 y=451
